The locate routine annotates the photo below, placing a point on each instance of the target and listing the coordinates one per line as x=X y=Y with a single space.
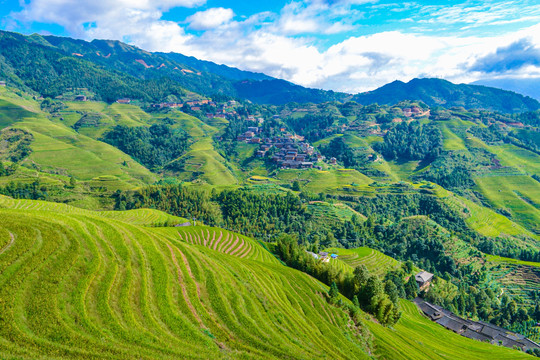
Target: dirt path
x=8 y=245
x=183 y=286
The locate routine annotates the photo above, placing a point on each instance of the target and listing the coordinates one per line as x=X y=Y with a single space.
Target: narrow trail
x=9 y=244
x=182 y=285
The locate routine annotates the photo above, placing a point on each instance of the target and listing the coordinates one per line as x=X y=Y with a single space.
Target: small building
x=123 y=101
x=80 y=98
x=2 y=83
x=255 y=129
x=423 y=278
x=183 y=224
x=457 y=325
x=333 y=161
x=334 y=256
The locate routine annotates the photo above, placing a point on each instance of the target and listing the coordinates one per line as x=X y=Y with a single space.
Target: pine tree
x=355 y=301
x=333 y=293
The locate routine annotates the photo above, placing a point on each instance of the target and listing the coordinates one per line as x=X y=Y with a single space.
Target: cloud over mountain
x=512 y=57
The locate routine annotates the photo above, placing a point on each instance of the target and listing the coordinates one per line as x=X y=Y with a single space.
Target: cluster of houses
x=412 y=111
x=323 y=256
x=477 y=330
x=292 y=152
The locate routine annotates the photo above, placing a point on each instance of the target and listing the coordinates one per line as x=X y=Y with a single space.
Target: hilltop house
x=80 y=98
x=423 y=279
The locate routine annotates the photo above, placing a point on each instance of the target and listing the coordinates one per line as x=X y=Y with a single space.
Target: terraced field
x=517 y=194
x=415 y=337
x=78 y=285
x=333 y=212
x=375 y=261
x=220 y=240
x=143 y=217
x=75 y=286
x=59 y=149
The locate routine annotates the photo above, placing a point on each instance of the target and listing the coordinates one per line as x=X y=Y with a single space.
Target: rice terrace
x=195 y=179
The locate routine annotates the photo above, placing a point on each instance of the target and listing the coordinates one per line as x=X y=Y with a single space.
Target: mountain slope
x=108 y=289
x=528 y=87
x=213 y=68
x=60 y=150
x=79 y=285
x=438 y=92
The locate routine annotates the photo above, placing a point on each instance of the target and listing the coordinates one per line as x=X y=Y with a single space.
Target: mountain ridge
x=132 y=69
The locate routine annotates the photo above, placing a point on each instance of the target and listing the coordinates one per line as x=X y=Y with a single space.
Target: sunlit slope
x=59 y=149
x=375 y=261
x=76 y=286
x=144 y=217
x=415 y=337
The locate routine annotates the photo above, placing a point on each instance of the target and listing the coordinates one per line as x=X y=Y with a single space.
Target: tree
x=355 y=301
x=408 y=266
x=391 y=290
x=411 y=288
x=72 y=182
x=333 y=293
x=296 y=185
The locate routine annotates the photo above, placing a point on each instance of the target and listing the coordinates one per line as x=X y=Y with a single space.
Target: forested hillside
x=145 y=201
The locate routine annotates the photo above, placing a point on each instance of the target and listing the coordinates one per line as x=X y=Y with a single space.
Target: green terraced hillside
x=376 y=262
x=79 y=286
x=76 y=284
x=415 y=337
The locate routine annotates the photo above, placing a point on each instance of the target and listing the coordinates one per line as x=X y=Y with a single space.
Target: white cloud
x=210 y=19
x=263 y=42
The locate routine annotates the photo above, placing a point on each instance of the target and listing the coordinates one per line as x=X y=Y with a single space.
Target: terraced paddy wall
x=78 y=286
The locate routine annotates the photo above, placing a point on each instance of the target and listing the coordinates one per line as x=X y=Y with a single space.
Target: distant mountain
x=528 y=87
x=438 y=92
x=52 y=65
x=213 y=68
x=279 y=92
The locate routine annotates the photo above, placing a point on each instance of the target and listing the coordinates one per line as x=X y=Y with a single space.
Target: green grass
x=415 y=337
x=376 y=262
x=517 y=194
x=76 y=284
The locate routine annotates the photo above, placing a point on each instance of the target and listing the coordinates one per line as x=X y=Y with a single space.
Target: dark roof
x=423 y=277
x=183 y=224
x=476 y=336
x=529 y=344
x=492 y=331
x=430 y=310
x=456 y=325
x=505 y=341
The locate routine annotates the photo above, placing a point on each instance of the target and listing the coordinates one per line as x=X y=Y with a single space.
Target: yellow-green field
x=76 y=284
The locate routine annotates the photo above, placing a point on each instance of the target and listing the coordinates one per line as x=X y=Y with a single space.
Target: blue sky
x=344 y=45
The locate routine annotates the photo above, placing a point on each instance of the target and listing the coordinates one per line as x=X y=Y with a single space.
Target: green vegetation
x=153 y=147
x=130 y=291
